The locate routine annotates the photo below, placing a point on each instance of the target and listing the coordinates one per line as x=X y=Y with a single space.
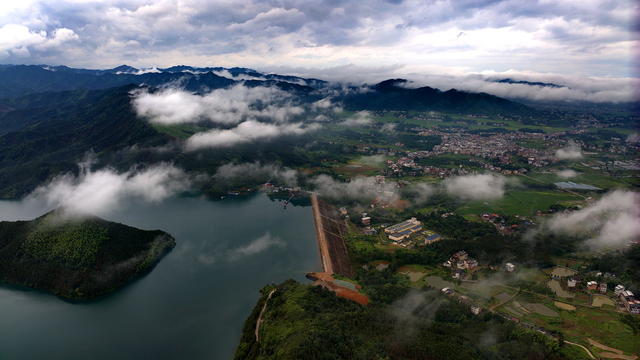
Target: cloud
x=267 y=172
x=633 y=138
x=221 y=106
x=260 y=113
x=476 y=187
x=414 y=310
x=372 y=160
x=567 y=173
x=326 y=104
x=363 y=189
x=419 y=193
x=361 y=118
x=245 y=132
x=257 y=246
x=389 y=128
x=594 y=37
x=605 y=89
x=18 y=40
x=103 y=190
x=570 y=152
x=610 y=222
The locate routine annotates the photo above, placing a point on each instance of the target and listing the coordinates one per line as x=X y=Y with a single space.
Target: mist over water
x=191 y=306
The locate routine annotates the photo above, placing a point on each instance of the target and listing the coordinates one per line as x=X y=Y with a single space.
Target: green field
x=518 y=202
x=600 y=325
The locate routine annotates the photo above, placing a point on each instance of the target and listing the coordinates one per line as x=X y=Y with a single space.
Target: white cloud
x=633 y=138
x=567 y=173
x=419 y=193
x=476 y=187
x=365 y=189
x=359 y=188
x=257 y=246
x=610 y=222
x=326 y=104
x=389 y=128
x=245 y=132
x=103 y=190
x=17 y=39
x=221 y=106
x=361 y=118
x=570 y=152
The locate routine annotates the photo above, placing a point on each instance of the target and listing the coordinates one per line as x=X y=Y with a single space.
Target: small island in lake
x=77 y=258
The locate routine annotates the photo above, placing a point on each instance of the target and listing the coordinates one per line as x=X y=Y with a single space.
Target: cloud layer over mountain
x=245 y=132
x=593 y=38
x=220 y=106
x=255 y=113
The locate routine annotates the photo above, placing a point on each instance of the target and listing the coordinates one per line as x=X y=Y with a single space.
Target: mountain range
x=50 y=116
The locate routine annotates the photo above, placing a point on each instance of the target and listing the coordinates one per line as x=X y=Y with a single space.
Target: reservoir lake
x=191 y=306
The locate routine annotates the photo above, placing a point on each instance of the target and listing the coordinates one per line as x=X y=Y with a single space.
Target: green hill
x=394 y=95
x=309 y=322
x=43 y=136
x=77 y=258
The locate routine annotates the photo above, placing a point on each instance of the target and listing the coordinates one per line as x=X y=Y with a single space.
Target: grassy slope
x=60 y=135
x=306 y=322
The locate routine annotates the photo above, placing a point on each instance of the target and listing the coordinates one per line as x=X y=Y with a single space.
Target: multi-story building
x=403 y=230
x=630 y=302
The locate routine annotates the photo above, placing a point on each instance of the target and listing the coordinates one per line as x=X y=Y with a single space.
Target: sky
x=333 y=39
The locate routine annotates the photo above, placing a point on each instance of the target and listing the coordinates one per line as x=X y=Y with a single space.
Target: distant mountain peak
x=123 y=69
x=391 y=84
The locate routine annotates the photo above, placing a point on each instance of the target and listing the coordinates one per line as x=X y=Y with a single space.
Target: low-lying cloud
x=570 y=152
x=365 y=189
x=414 y=310
x=567 y=173
x=245 y=132
x=611 y=222
x=476 y=187
x=419 y=193
x=360 y=188
x=102 y=190
x=361 y=118
x=221 y=106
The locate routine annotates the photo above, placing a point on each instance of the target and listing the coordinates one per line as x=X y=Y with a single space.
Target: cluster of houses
x=628 y=299
x=459 y=262
x=499 y=222
x=497 y=146
x=463 y=299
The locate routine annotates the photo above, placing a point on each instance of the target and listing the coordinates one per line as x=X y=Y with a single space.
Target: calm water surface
x=191 y=306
